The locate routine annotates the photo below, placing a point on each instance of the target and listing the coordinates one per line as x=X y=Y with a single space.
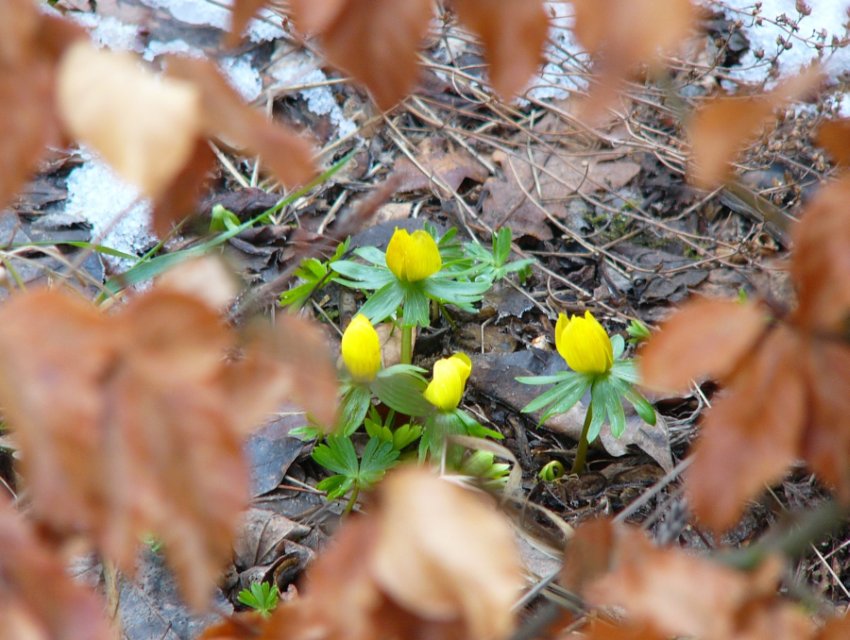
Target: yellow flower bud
x=413 y=257
x=361 y=349
x=446 y=387
x=584 y=344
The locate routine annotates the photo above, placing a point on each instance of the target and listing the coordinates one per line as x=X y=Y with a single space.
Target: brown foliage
x=787 y=384
x=38 y=601
x=513 y=33
x=723 y=125
x=668 y=592
x=30 y=45
x=130 y=423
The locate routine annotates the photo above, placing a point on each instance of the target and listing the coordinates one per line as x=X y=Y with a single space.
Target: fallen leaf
x=130 y=424
x=706 y=338
x=181 y=195
x=723 y=125
x=241 y=12
x=145 y=127
x=834 y=136
x=38 y=600
x=751 y=436
x=223 y=113
x=449 y=166
x=514 y=34
x=376 y=41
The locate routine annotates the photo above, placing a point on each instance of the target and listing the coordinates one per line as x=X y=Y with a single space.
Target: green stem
x=407 y=344
x=581 y=453
x=349 y=507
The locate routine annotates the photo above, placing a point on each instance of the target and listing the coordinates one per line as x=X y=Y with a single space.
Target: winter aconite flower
x=413 y=257
x=446 y=387
x=584 y=344
x=361 y=349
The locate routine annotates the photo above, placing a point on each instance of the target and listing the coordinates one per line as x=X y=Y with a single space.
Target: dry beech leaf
x=143 y=125
x=223 y=113
x=376 y=41
x=821 y=264
x=706 y=338
x=679 y=594
x=206 y=278
x=451 y=166
x=514 y=35
x=723 y=125
x=836 y=629
x=181 y=195
x=466 y=565
x=429 y=560
x=241 y=13
x=38 y=600
x=751 y=436
x=622 y=34
x=834 y=136
x=30 y=43
x=131 y=423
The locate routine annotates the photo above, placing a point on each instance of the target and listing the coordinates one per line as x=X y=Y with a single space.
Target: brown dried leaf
x=835 y=629
x=223 y=113
x=514 y=34
x=820 y=266
x=452 y=167
x=751 y=436
x=29 y=44
x=144 y=126
x=588 y=554
x=38 y=600
x=131 y=424
x=834 y=136
x=722 y=126
x=602 y=630
x=706 y=338
x=622 y=34
x=465 y=567
x=682 y=595
x=241 y=11
x=376 y=41
x=181 y=196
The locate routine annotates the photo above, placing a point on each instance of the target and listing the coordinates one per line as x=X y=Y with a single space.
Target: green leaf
x=365 y=277
x=642 y=406
x=618 y=345
x=335 y=486
x=383 y=303
x=416 y=306
x=614 y=410
x=337 y=455
x=626 y=370
x=598 y=403
x=537 y=380
x=401 y=389
x=565 y=393
x=451 y=291
x=502 y=246
x=378 y=457
x=405 y=435
x=353 y=408
x=571 y=395
x=373 y=255
x=307 y=432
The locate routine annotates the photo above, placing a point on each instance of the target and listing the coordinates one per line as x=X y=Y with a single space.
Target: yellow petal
x=413 y=257
x=361 y=349
x=447 y=384
x=584 y=344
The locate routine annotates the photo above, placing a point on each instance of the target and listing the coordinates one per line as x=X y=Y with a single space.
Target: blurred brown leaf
x=224 y=114
x=834 y=136
x=241 y=13
x=180 y=197
x=30 y=44
x=38 y=600
x=514 y=34
x=706 y=338
x=723 y=125
x=144 y=126
x=376 y=41
x=131 y=424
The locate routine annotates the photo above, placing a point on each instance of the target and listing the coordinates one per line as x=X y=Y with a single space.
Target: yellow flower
x=446 y=387
x=413 y=257
x=361 y=349
x=584 y=344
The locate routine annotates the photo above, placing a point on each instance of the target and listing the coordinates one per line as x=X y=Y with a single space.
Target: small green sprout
x=337 y=454
x=483 y=465
x=596 y=363
x=551 y=471
x=638 y=332
x=261 y=597
x=222 y=219
x=313 y=274
x=493 y=264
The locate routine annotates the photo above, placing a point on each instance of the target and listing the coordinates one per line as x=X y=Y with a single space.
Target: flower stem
x=581 y=453
x=349 y=507
x=406 y=344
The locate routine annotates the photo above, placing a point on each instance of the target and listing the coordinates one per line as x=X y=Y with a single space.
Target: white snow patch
x=299 y=68
x=204 y=12
x=159 y=48
x=100 y=196
x=243 y=76
x=110 y=32
x=560 y=75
